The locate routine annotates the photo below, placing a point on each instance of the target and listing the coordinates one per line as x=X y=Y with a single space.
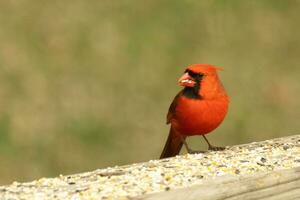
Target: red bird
x=198 y=109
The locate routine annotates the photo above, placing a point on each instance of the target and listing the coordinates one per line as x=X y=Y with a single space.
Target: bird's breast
x=199 y=116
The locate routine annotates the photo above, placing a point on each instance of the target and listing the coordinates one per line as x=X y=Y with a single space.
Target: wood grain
x=283 y=184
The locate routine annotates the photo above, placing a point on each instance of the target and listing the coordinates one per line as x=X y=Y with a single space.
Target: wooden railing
x=260 y=170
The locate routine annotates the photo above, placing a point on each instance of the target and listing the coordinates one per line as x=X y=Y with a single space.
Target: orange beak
x=186 y=80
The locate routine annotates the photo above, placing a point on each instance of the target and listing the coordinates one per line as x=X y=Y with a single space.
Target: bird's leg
x=188 y=149
x=213 y=148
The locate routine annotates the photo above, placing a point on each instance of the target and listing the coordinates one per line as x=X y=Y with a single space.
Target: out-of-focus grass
x=87 y=84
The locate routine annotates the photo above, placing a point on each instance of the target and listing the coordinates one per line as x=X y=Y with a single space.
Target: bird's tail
x=173 y=145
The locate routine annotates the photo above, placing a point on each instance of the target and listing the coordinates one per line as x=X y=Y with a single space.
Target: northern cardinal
x=197 y=109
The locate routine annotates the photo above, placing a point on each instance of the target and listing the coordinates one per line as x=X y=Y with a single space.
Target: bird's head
x=195 y=73
x=201 y=81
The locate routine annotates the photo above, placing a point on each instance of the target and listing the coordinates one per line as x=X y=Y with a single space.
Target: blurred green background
x=87 y=84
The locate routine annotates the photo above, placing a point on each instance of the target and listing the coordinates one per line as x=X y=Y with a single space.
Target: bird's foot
x=215 y=148
x=190 y=151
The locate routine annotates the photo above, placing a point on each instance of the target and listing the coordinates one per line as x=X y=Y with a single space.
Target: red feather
x=196 y=112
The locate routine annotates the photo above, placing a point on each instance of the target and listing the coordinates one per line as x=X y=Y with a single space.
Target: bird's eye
x=199 y=75
x=192 y=74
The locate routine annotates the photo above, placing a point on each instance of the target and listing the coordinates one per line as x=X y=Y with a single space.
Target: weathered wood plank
x=261 y=170
x=282 y=184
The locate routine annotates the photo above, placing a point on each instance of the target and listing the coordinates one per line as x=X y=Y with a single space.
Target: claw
x=215 y=148
x=195 y=152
